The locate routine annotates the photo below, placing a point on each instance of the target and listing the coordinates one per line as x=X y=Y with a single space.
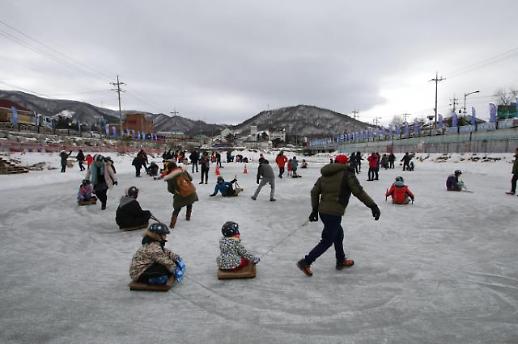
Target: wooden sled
x=245 y=272
x=136 y=286
x=134 y=228
x=92 y=200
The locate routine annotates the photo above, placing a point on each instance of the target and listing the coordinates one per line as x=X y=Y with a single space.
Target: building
x=138 y=122
x=24 y=115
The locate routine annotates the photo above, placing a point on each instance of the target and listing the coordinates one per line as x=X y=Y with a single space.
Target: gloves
x=258 y=181
x=376 y=213
x=115 y=183
x=234 y=180
x=313 y=217
x=256 y=260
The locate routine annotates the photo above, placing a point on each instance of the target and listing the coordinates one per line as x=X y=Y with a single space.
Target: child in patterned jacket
x=233 y=255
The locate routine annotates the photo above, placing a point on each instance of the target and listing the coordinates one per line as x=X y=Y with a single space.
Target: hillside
x=303 y=120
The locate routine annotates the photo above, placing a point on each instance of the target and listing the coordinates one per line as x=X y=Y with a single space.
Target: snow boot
x=173 y=221
x=188 y=214
x=301 y=264
x=346 y=263
x=509 y=193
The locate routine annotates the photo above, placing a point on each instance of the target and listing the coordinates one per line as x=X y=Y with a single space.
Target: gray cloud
x=224 y=61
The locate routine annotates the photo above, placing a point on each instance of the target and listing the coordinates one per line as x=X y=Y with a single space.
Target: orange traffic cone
x=217 y=170
x=245 y=171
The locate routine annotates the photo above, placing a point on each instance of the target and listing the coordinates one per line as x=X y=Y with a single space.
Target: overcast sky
x=225 y=61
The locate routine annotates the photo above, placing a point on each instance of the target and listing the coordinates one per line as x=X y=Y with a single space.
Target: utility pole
x=174 y=112
x=355 y=113
x=119 y=90
x=465 y=95
x=454 y=102
x=405 y=115
x=436 y=80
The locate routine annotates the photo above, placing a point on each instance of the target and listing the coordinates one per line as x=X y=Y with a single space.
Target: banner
x=473 y=117
x=407 y=130
x=454 y=119
x=114 y=131
x=492 y=113
x=107 y=130
x=440 y=123
x=14 y=116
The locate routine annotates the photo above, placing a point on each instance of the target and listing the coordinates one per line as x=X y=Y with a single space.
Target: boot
x=302 y=265
x=346 y=263
x=173 y=221
x=188 y=214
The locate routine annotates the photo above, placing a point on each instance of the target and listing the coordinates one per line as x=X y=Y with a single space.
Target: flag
x=398 y=130
x=492 y=113
x=79 y=126
x=406 y=129
x=114 y=131
x=441 y=123
x=14 y=116
x=107 y=130
x=454 y=120
x=473 y=117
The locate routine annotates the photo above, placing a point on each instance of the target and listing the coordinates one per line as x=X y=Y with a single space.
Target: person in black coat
x=194 y=157
x=391 y=159
x=129 y=213
x=64 y=156
x=80 y=159
x=406 y=161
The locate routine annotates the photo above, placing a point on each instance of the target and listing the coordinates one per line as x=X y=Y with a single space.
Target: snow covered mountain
x=303 y=120
x=178 y=123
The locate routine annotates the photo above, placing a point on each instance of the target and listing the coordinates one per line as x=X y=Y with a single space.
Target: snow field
x=442 y=270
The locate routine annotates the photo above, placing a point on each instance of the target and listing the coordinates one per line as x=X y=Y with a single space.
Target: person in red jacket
x=373 y=165
x=400 y=193
x=281 y=160
x=89 y=159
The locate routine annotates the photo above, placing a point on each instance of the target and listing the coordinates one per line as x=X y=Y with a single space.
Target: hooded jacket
x=331 y=192
x=130 y=214
x=399 y=193
x=151 y=252
x=178 y=200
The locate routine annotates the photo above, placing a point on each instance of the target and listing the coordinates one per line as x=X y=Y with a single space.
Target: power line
x=484 y=63
x=23 y=89
x=119 y=90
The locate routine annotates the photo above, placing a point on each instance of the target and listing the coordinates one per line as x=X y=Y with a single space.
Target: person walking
x=179 y=183
x=406 y=161
x=515 y=174
x=391 y=159
x=265 y=176
x=102 y=176
x=64 y=156
x=205 y=165
x=80 y=157
x=194 y=157
x=373 y=164
x=281 y=161
x=329 y=198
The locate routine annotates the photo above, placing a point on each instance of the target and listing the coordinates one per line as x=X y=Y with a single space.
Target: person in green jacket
x=515 y=174
x=329 y=198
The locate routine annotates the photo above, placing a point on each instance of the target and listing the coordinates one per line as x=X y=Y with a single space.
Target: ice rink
x=443 y=270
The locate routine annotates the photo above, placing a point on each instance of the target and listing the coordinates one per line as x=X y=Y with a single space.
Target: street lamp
x=465 y=95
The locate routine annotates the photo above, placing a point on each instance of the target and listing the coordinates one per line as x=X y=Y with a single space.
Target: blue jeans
x=333 y=233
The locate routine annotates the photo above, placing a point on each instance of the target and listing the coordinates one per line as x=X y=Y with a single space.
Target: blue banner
x=14 y=116
x=473 y=117
x=492 y=113
x=454 y=120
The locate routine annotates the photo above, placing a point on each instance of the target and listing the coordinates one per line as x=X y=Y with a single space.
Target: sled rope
x=284 y=239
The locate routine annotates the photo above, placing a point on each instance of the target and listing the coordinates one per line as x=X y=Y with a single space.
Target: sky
x=225 y=61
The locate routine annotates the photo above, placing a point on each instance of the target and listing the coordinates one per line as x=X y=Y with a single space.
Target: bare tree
x=397 y=120
x=505 y=97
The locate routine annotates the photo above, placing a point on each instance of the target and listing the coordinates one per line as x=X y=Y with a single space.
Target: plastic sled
x=134 y=228
x=137 y=286
x=92 y=200
x=245 y=272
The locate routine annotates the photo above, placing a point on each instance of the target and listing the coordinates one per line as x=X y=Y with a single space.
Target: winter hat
x=399 y=181
x=458 y=172
x=341 y=159
x=229 y=229
x=132 y=191
x=220 y=179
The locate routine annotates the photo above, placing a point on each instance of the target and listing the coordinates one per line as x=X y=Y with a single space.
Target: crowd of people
x=154 y=264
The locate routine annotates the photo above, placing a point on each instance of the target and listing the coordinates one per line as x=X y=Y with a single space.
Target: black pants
x=63 y=167
x=195 y=164
x=81 y=167
x=155 y=270
x=391 y=164
x=333 y=234
x=281 y=171
x=513 y=183
x=406 y=166
x=371 y=173
x=376 y=173
x=204 y=172
x=137 y=171
x=176 y=211
x=102 y=196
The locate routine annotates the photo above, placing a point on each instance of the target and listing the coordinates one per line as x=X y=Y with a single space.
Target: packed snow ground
x=443 y=270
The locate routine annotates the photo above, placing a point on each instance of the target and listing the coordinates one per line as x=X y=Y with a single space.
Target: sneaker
x=509 y=193
x=254 y=198
x=346 y=263
x=301 y=264
x=200 y=182
x=103 y=207
x=272 y=199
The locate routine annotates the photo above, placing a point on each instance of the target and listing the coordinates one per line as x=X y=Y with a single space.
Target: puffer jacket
x=178 y=200
x=399 y=193
x=231 y=251
x=149 y=253
x=265 y=171
x=331 y=192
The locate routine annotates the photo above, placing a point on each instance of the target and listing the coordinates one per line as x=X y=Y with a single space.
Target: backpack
x=184 y=186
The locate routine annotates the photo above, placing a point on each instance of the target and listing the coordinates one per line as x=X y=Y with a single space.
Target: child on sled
x=233 y=255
